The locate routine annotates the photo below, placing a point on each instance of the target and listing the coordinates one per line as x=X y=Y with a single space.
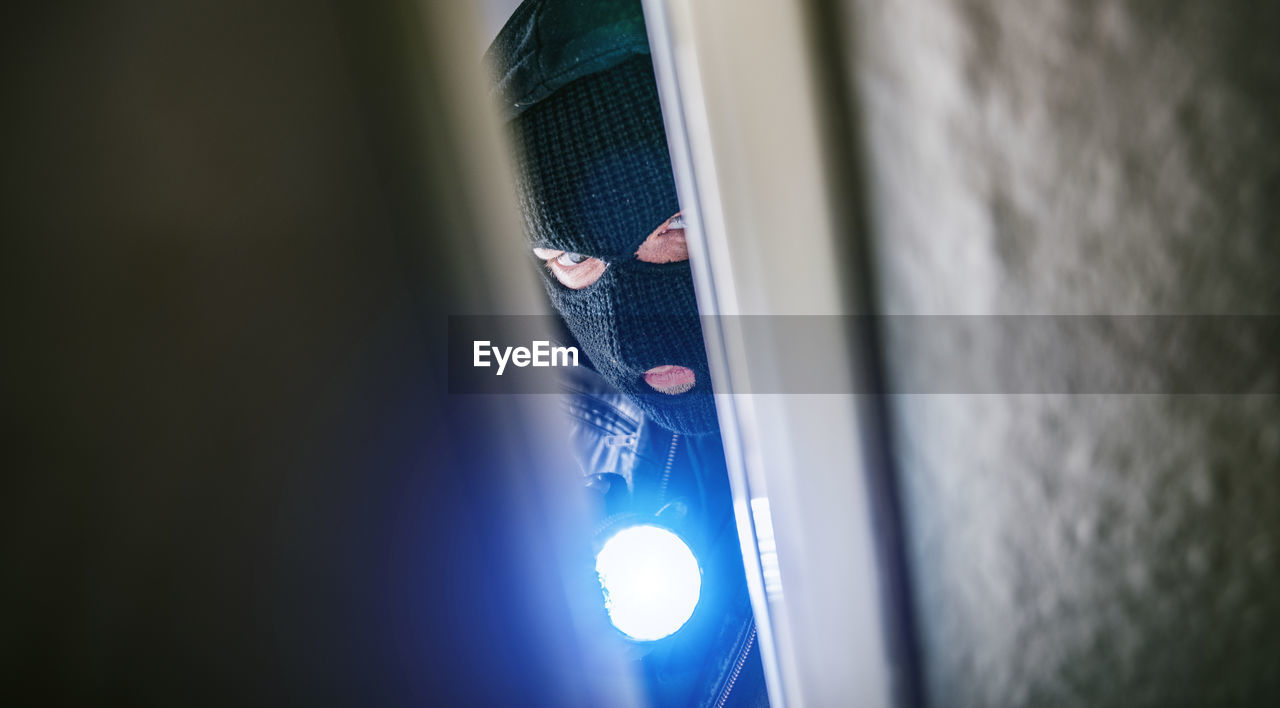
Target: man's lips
x=670 y=379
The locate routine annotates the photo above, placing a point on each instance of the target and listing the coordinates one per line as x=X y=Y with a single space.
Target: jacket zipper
x=666 y=472
x=737 y=667
x=741 y=662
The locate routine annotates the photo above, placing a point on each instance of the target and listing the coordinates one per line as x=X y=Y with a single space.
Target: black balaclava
x=595 y=178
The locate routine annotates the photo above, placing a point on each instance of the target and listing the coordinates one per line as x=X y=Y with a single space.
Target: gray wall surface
x=493 y=15
x=1070 y=157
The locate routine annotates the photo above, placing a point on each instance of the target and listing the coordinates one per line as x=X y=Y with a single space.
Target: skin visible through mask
x=665 y=245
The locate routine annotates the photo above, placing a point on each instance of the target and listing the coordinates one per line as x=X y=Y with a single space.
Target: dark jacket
x=641 y=472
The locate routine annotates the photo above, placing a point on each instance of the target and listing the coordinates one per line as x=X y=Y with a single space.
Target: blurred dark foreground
x=230 y=476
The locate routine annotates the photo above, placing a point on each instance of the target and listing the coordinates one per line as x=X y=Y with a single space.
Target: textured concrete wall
x=1072 y=157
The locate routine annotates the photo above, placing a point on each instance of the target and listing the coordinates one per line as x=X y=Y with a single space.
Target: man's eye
x=571 y=259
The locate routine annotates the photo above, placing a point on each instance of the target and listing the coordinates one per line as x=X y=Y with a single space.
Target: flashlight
x=651 y=581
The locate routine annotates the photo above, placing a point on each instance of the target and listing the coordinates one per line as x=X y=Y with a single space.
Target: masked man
x=595 y=184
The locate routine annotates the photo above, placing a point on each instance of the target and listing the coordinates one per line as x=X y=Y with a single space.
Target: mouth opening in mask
x=670 y=379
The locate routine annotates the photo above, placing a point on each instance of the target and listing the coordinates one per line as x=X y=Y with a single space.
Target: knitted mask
x=594 y=177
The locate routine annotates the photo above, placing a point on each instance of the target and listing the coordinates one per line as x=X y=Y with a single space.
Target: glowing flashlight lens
x=651 y=581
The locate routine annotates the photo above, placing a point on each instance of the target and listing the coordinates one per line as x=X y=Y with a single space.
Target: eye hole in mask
x=574 y=270
x=578 y=270
x=569 y=260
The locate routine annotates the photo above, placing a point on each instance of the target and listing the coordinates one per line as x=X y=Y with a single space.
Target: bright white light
x=651 y=581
